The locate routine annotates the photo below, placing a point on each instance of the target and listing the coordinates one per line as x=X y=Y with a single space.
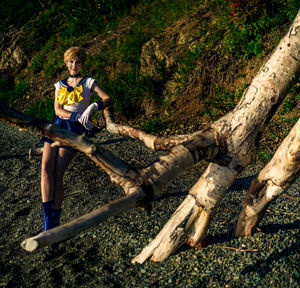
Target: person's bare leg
x=63 y=159
x=47 y=173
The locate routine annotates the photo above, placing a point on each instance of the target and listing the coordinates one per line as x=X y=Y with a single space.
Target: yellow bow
x=68 y=98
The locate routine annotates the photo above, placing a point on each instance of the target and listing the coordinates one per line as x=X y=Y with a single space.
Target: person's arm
x=61 y=112
x=105 y=98
x=106 y=101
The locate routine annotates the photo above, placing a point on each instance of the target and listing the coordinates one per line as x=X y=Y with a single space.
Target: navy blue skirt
x=75 y=127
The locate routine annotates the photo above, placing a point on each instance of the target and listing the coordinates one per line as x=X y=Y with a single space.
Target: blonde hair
x=75 y=53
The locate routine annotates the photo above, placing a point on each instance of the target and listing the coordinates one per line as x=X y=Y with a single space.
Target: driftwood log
x=228 y=144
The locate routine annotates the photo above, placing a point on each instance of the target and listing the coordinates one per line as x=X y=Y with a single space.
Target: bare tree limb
x=229 y=143
x=151 y=141
x=271 y=182
x=66 y=231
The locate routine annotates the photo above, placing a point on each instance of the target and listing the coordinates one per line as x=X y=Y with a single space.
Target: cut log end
x=30 y=244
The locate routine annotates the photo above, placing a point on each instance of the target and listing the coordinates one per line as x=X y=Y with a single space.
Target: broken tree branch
x=66 y=231
x=151 y=141
x=271 y=182
x=237 y=134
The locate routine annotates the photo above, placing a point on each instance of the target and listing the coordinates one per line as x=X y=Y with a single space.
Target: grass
x=237 y=31
x=9 y=92
x=222 y=102
x=155 y=125
x=42 y=109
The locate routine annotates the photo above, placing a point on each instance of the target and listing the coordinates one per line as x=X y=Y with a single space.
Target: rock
x=163 y=52
x=162 y=55
x=12 y=55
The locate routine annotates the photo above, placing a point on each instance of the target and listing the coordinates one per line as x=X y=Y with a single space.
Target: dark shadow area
x=107 y=142
x=268 y=229
x=264 y=266
x=18 y=156
x=219 y=238
x=274 y=228
x=175 y=194
x=227 y=236
x=241 y=183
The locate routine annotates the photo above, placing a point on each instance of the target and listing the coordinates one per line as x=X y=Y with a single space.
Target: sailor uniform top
x=75 y=99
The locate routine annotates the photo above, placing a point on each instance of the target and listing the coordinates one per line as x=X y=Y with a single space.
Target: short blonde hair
x=75 y=53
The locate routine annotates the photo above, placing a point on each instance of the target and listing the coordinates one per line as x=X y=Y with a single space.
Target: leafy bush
x=222 y=102
x=10 y=92
x=250 y=20
x=155 y=125
x=43 y=109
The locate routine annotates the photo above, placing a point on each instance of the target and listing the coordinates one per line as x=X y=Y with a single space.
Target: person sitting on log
x=72 y=112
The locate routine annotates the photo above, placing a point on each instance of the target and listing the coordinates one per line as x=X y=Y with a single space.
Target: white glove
x=84 y=118
x=74 y=117
x=77 y=117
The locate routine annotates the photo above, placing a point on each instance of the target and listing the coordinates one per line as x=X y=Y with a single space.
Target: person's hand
x=75 y=116
x=84 y=118
x=88 y=125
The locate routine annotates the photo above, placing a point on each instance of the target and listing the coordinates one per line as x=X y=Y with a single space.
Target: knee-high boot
x=56 y=215
x=47 y=213
x=51 y=216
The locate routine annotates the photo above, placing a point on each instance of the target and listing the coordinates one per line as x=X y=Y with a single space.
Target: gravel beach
x=101 y=256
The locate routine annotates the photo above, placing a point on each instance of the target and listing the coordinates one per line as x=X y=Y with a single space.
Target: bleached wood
x=238 y=130
x=68 y=230
x=229 y=143
x=151 y=141
x=192 y=224
x=271 y=182
x=179 y=219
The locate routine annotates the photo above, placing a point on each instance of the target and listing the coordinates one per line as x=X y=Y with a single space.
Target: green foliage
x=252 y=19
x=124 y=89
x=10 y=92
x=222 y=102
x=18 y=12
x=265 y=156
x=240 y=29
x=53 y=26
x=291 y=101
x=155 y=125
x=127 y=91
x=42 y=109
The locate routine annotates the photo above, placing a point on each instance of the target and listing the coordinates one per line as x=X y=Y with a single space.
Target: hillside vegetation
x=180 y=63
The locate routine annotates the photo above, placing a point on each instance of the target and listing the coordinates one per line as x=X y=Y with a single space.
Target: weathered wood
x=237 y=133
x=151 y=141
x=66 y=231
x=229 y=143
x=270 y=182
x=190 y=221
x=178 y=220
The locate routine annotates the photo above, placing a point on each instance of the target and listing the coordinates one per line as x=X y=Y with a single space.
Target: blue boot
x=56 y=216
x=47 y=213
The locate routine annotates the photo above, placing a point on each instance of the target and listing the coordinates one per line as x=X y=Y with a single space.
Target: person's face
x=74 y=66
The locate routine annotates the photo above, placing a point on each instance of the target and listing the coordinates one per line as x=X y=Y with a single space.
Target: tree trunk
x=237 y=131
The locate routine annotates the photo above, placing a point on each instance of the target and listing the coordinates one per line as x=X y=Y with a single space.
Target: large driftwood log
x=239 y=131
x=229 y=144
